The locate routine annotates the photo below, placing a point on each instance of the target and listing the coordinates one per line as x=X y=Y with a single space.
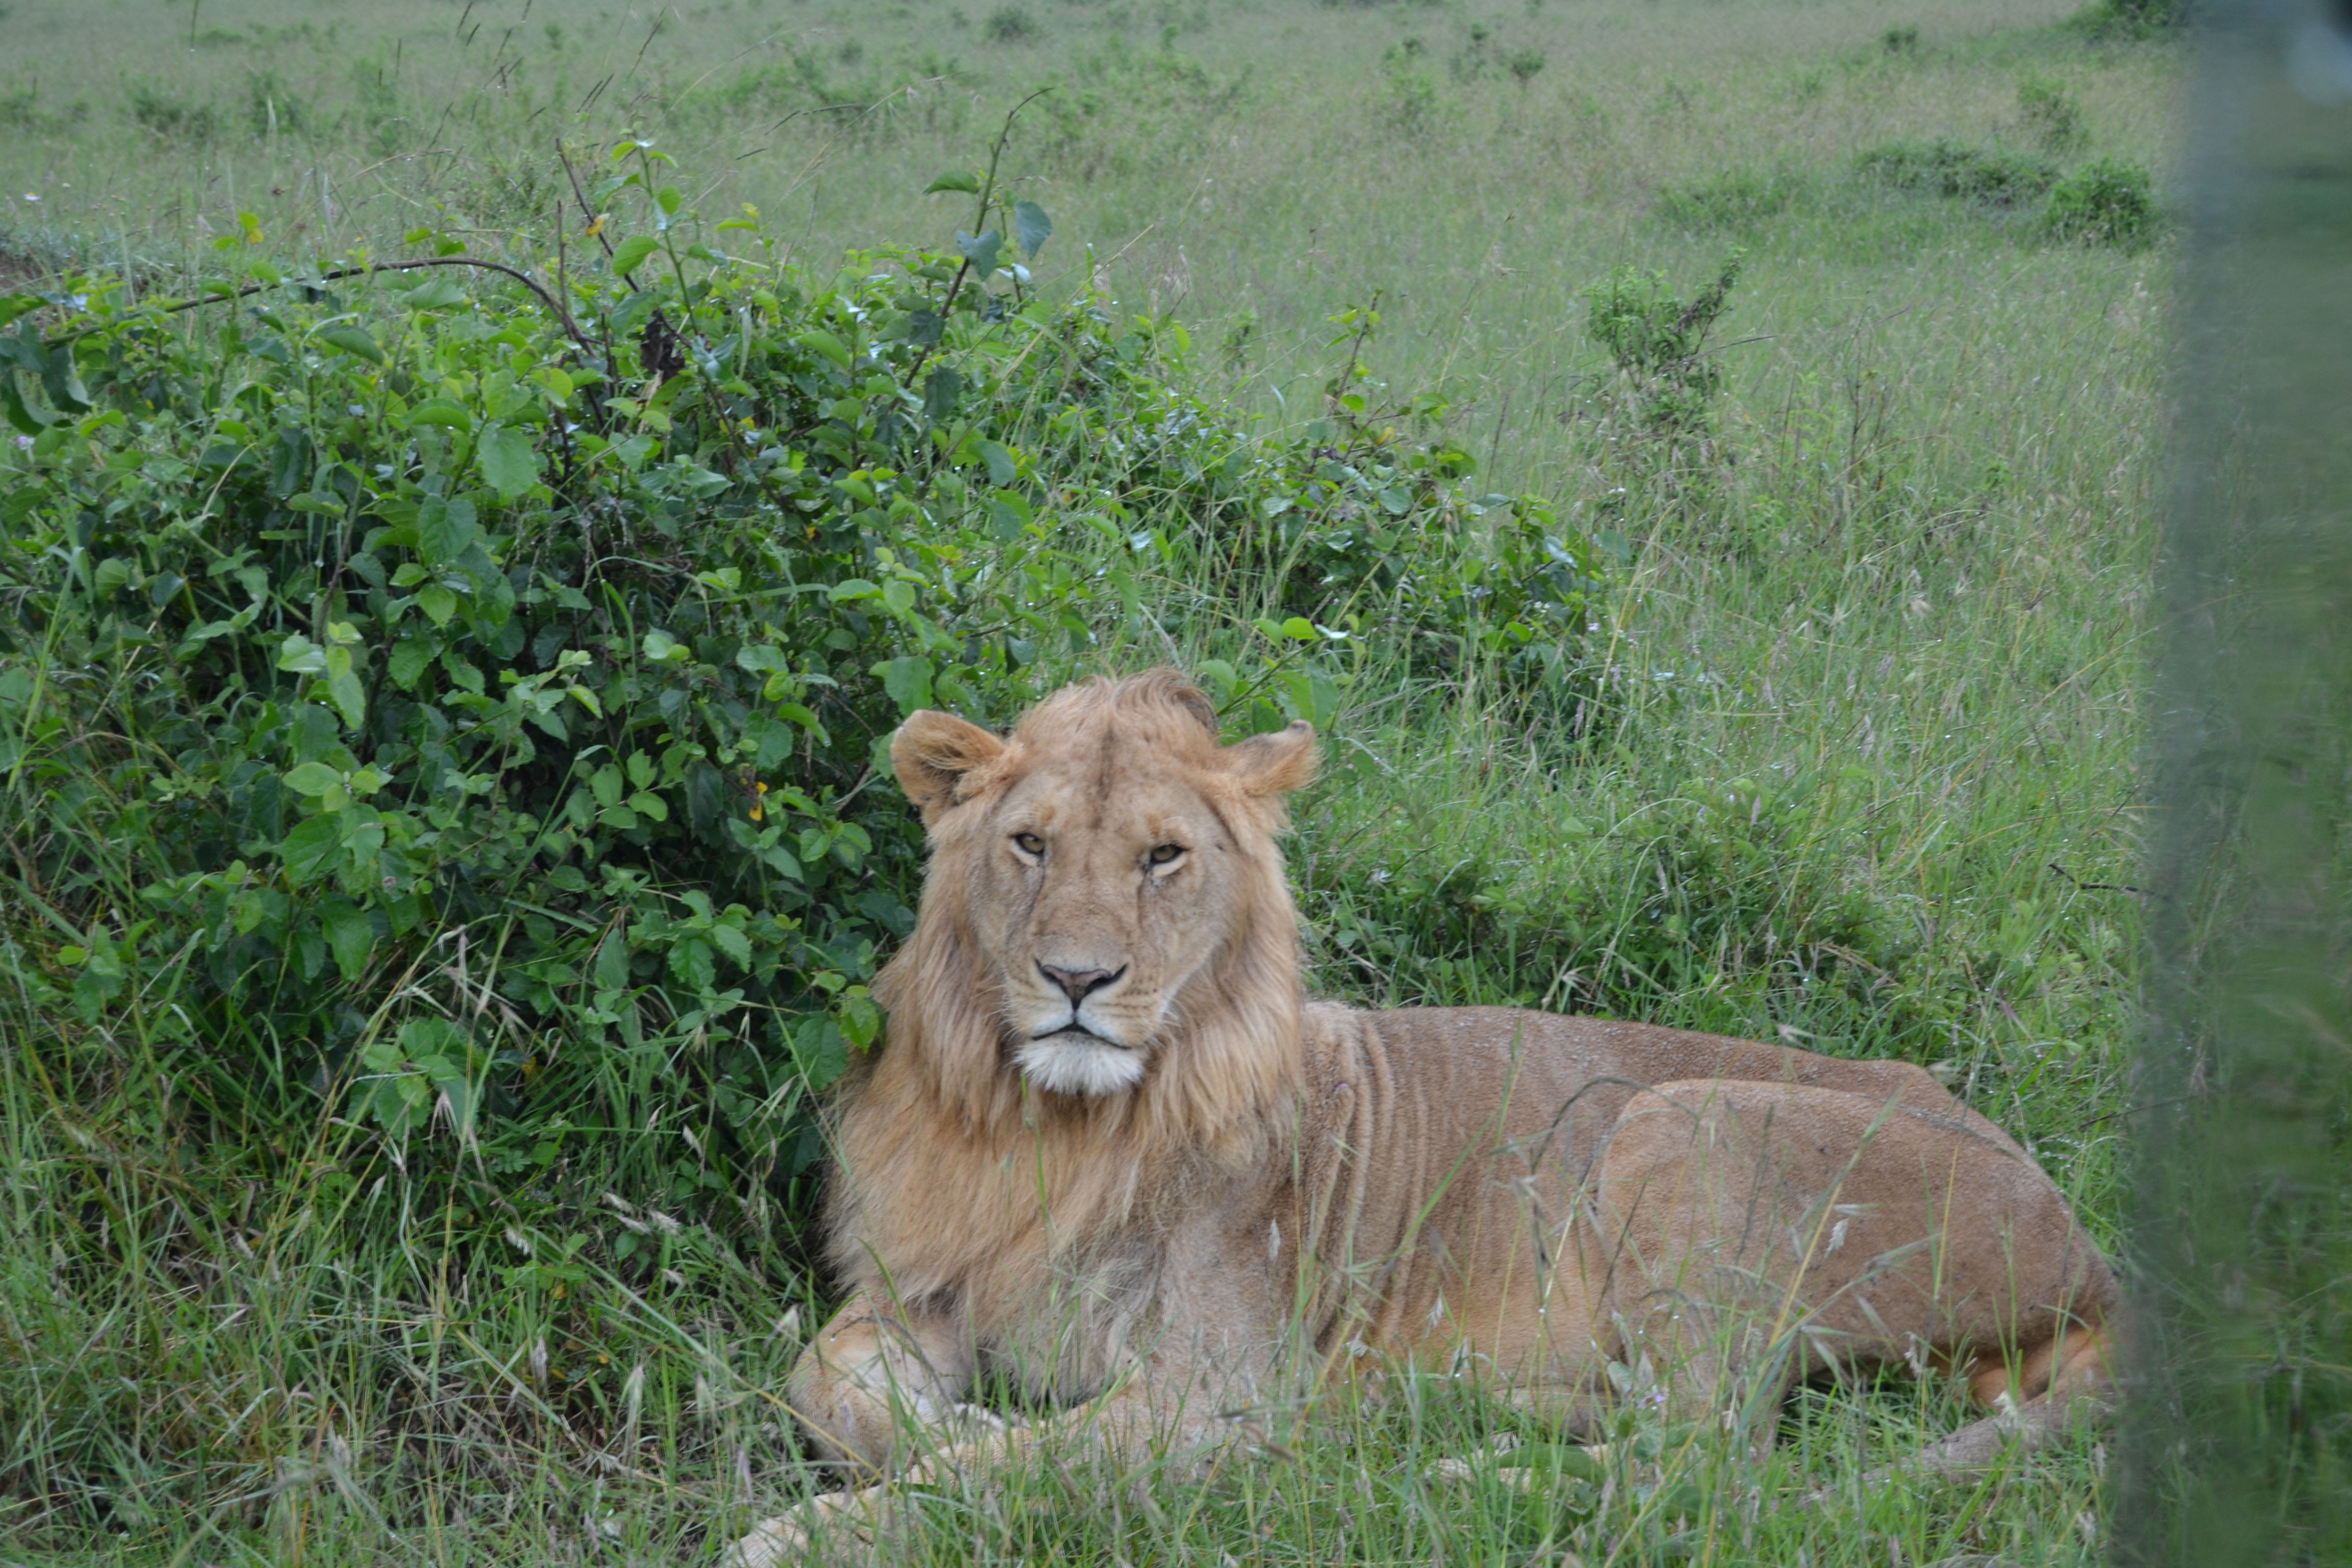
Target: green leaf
x=348 y=697
x=350 y=936
x=509 y=460
x=437 y=603
x=732 y=941
x=1001 y=469
x=631 y=253
x=828 y=345
x=442 y=412
x=312 y=779
x=861 y=1020
x=443 y=528
x=983 y=249
x=434 y=294
x=348 y=338
x=695 y=966
x=408 y=661
x=1310 y=694
x=898 y=596
x=818 y=1051
x=908 y=682
x=1031 y=228
x=645 y=803
x=612 y=963
x=954 y=180
x=21 y=413
x=312 y=850
x=761 y=658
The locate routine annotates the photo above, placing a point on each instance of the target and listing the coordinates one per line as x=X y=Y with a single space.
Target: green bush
x=171 y=119
x=2125 y=21
x=870 y=99
x=438 y=705
x=1729 y=201
x=1991 y=175
x=271 y=107
x=2110 y=200
x=1011 y=24
x=1658 y=341
x=2052 y=113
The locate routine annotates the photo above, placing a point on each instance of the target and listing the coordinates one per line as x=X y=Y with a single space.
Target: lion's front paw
x=788 y=1537
x=771 y=1541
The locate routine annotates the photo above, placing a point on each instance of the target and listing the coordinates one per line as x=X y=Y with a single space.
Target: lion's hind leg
x=1755 y=1233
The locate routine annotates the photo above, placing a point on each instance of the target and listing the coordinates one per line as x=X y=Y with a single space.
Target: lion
x=1111 y=1151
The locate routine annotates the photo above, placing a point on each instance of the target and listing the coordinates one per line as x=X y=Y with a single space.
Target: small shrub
x=170 y=119
x=1659 y=342
x=2050 y=113
x=2110 y=200
x=270 y=109
x=1991 y=175
x=1411 y=104
x=1483 y=55
x=1164 y=103
x=1728 y=201
x=1011 y=24
x=383 y=116
x=1900 y=40
x=2125 y=21
x=22 y=110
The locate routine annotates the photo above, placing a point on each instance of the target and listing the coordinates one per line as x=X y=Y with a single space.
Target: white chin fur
x=1079 y=1064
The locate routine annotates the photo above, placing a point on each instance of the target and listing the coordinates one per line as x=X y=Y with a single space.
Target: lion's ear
x=932 y=754
x=1276 y=763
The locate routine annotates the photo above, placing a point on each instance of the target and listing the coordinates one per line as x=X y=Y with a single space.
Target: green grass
x=1856 y=771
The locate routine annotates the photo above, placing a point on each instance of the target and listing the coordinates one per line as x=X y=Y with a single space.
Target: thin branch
x=562 y=314
x=979 y=227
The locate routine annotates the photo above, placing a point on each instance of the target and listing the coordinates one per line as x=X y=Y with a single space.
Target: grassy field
x=1871 y=667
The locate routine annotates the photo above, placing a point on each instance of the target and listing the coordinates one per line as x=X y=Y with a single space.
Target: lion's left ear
x=1276 y=763
x=932 y=752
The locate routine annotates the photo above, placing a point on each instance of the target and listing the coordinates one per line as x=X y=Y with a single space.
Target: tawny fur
x=1293 y=1188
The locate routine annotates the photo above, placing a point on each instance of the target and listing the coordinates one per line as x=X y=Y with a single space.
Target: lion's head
x=1105 y=915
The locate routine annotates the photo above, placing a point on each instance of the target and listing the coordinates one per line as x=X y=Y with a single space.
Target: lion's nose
x=1077 y=984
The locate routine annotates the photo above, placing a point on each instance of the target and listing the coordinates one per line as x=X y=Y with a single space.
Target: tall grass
x=1855 y=768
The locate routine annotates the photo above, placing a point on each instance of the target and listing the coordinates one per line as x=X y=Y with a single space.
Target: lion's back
x=1440 y=1139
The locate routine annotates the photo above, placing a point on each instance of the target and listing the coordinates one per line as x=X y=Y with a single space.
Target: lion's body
x=1232 y=1193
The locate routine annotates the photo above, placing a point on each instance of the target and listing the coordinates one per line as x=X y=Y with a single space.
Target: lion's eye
x=1166 y=853
x=1031 y=845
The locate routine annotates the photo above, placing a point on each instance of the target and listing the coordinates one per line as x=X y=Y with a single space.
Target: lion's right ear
x=1277 y=764
x=932 y=752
